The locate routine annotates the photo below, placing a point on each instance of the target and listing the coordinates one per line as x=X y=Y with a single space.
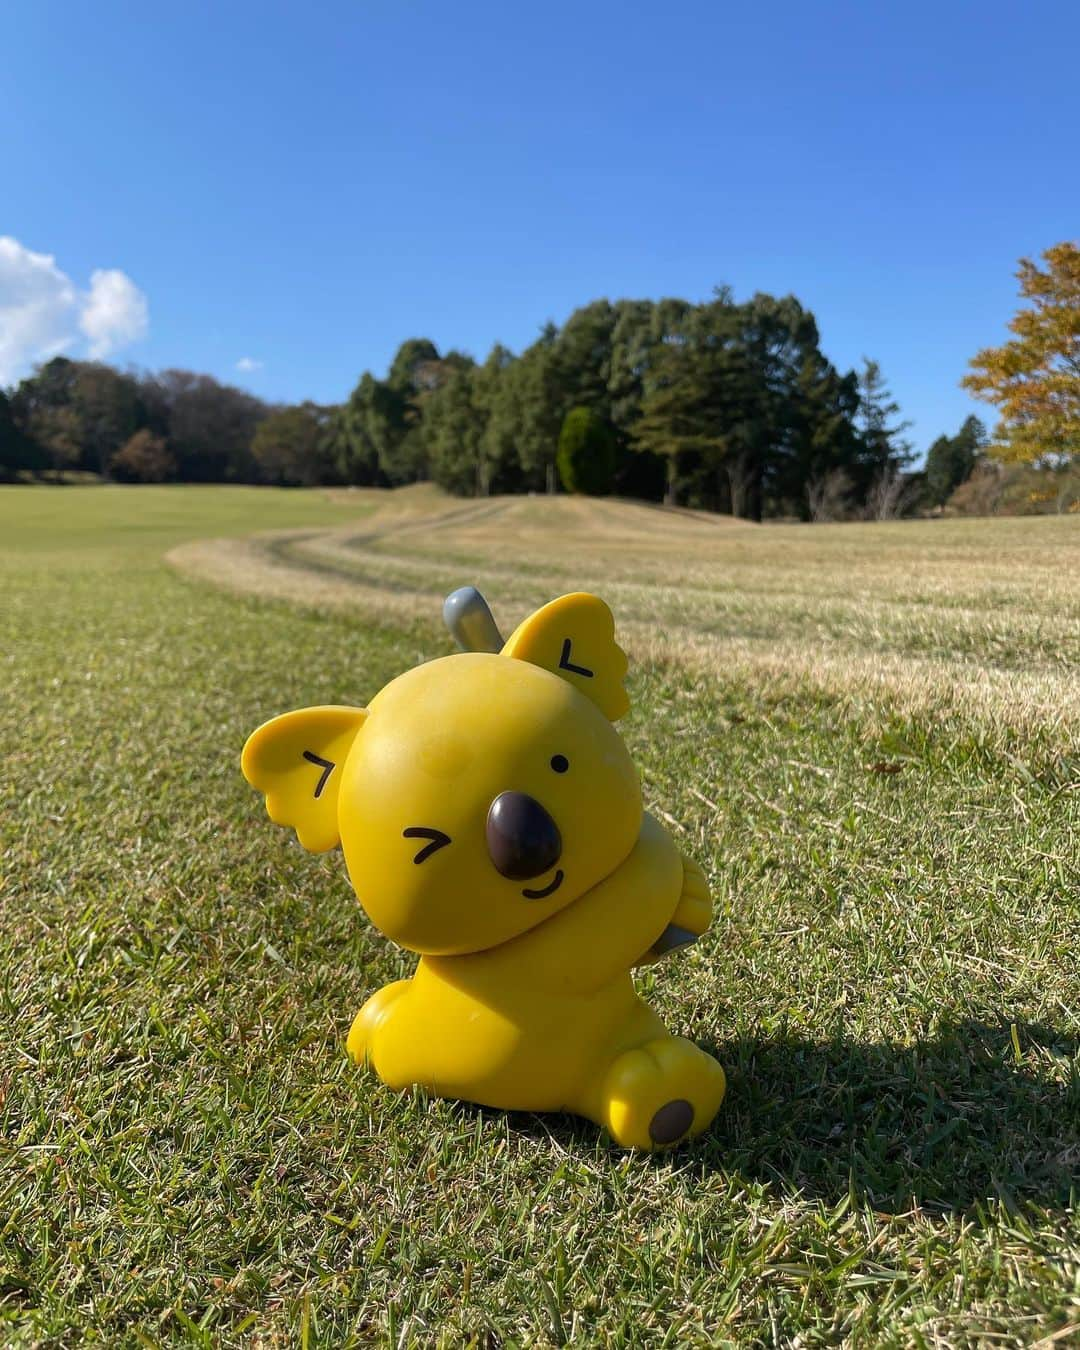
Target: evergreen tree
x=454 y=427
x=494 y=394
x=376 y=421
x=639 y=472
x=16 y=451
x=951 y=460
x=539 y=402
x=718 y=398
x=584 y=353
x=884 y=447
x=825 y=446
x=408 y=370
x=776 y=337
x=355 y=458
x=633 y=338
x=392 y=411
x=673 y=415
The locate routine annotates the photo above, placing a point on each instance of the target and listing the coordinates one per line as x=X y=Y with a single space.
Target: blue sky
x=305 y=185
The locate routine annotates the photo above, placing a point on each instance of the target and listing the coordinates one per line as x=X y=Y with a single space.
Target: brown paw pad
x=671 y=1122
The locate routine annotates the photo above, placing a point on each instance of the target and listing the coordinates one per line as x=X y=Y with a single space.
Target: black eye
x=560 y=763
x=438 y=840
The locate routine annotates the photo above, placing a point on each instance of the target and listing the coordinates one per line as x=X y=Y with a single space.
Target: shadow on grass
x=947 y=1124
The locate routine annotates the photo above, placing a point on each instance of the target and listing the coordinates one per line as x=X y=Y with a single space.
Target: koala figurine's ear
x=295 y=761
x=574 y=637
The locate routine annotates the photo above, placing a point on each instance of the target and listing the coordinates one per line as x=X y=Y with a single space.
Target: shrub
x=996 y=489
x=829 y=496
x=586 y=458
x=144 y=458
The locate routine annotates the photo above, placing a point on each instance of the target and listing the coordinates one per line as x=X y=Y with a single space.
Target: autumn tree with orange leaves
x=1034 y=379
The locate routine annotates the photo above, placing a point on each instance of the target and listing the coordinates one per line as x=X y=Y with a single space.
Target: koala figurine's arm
x=694 y=910
x=605 y=932
x=692 y=916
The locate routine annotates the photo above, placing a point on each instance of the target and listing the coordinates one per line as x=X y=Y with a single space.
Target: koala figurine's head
x=476 y=795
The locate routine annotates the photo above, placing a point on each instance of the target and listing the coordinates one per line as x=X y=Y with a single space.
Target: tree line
x=725 y=405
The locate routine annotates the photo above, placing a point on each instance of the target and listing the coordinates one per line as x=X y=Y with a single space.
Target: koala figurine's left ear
x=295 y=762
x=574 y=638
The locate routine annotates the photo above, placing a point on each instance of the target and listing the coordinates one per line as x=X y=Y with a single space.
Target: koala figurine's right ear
x=295 y=761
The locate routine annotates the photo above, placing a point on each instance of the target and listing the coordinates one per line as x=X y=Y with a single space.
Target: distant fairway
x=977 y=616
x=868 y=735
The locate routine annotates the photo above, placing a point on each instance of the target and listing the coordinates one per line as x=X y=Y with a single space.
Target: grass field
x=868 y=735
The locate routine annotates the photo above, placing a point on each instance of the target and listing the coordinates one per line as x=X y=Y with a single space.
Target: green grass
x=112 y=521
x=186 y=1157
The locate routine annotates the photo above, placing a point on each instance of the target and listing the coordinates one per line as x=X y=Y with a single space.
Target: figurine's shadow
x=946 y=1123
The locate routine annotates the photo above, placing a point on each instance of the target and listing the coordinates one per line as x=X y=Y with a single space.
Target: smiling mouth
x=548 y=890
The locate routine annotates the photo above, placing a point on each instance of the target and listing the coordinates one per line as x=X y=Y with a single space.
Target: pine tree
x=951 y=460
x=884 y=451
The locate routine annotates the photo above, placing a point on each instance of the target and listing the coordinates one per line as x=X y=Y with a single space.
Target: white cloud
x=248 y=364
x=114 y=313
x=42 y=311
x=36 y=304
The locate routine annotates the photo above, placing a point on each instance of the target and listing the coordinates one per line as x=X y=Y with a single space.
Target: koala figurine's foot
x=366 y=1022
x=661 y=1093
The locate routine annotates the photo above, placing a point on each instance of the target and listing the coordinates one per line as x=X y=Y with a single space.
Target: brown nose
x=522 y=839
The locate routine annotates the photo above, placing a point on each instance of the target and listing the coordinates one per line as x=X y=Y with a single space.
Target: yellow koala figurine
x=491 y=820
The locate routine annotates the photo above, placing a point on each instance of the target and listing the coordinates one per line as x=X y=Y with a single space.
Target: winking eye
x=438 y=840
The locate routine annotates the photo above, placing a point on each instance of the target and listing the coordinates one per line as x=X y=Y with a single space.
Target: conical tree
x=586 y=456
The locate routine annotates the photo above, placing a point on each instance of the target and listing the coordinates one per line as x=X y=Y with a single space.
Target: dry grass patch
x=978 y=615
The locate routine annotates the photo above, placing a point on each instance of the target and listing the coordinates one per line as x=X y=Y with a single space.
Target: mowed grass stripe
x=891 y=981
x=970 y=622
